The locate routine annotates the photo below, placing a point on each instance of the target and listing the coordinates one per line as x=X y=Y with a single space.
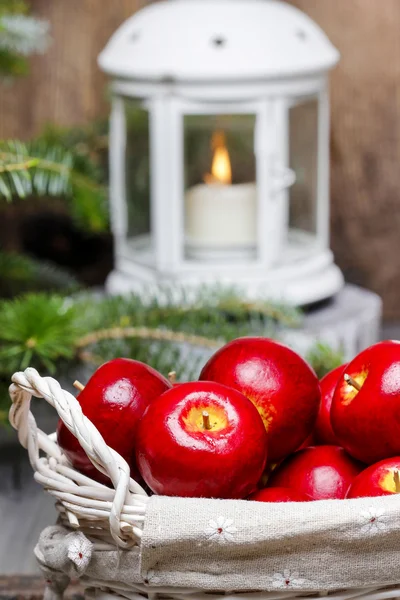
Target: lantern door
x=308 y=158
x=223 y=186
x=130 y=178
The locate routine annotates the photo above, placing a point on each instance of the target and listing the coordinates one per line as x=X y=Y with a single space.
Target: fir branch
x=39 y=169
x=45 y=330
x=13 y=7
x=36 y=330
x=4 y=400
x=23 y=35
x=323 y=358
x=20 y=273
x=20 y=36
x=172 y=329
x=214 y=311
x=12 y=65
x=147 y=333
x=23 y=174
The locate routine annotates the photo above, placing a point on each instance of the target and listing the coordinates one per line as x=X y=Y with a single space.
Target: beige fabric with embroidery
x=239 y=545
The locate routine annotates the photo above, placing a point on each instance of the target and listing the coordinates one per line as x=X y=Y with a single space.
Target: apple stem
x=396 y=479
x=78 y=385
x=172 y=377
x=206 y=420
x=350 y=381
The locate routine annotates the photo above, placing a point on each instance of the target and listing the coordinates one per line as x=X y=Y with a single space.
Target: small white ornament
x=80 y=551
x=373 y=520
x=286 y=579
x=221 y=530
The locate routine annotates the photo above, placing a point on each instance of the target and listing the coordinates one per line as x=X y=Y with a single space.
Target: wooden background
x=66 y=87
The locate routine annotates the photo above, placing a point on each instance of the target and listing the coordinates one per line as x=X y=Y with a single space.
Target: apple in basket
x=381 y=479
x=282 y=386
x=319 y=472
x=114 y=400
x=365 y=412
x=308 y=442
x=323 y=432
x=201 y=439
x=279 y=494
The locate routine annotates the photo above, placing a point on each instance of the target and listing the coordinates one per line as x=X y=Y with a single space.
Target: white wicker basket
x=110 y=519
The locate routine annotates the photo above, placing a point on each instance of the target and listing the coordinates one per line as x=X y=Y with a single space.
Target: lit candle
x=221 y=217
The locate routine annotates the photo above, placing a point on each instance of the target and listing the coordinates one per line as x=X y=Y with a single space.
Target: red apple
x=381 y=479
x=114 y=399
x=365 y=412
x=282 y=386
x=201 y=439
x=319 y=472
x=279 y=494
x=308 y=442
x=323 y=432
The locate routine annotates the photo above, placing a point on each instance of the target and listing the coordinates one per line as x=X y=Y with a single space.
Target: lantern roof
x=217 y=40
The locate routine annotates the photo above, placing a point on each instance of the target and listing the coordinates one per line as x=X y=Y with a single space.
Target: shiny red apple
x=279 y=494
x=282 y=386
x=319 y=472
x=323 y=432
x=201 y=439
x=365 y=412
x=380 y=479
x=114 y=400
x=308 y=442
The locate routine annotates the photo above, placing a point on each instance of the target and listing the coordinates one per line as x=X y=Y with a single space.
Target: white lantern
x=219 y=150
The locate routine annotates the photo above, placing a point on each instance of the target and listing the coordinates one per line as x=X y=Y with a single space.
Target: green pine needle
x=36 y=330
x=214 y=313
x=41 y=169
x=45 y=331
x=23 y=35
x=12 y=64
x=323 y=358
x=13 y=7
x=19 y=273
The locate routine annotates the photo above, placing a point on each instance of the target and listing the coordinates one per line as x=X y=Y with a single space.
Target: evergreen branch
x=23 y=174
x=13 y=7
x=213 y=312
x=39 y=169
x=28 y=164
x=147 y=333
x=323 y=358
x=36 y=329
x=20 y=273
x=48 y=331
x=23 y=35
x=12 y=65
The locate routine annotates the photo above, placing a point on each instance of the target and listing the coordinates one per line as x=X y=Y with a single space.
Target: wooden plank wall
x=365 y=148
x=66 y=87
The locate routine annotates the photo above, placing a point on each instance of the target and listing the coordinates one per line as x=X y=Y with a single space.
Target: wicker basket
x=95 y=517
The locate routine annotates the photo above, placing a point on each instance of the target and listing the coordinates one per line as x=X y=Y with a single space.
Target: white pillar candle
x=221 y=218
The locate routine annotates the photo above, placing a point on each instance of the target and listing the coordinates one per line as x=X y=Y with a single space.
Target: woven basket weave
x=111 y=518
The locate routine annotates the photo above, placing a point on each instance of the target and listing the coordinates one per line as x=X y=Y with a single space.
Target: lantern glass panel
x=303 y=160
x=220 y=187
x=137 y=180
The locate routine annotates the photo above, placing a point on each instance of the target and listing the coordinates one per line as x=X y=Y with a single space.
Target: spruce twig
x=41 y=169
x=165 y=335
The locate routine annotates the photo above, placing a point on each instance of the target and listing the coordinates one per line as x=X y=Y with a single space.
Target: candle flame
x=221 y=171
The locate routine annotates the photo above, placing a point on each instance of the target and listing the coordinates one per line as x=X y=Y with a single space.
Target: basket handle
x=29 y=383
